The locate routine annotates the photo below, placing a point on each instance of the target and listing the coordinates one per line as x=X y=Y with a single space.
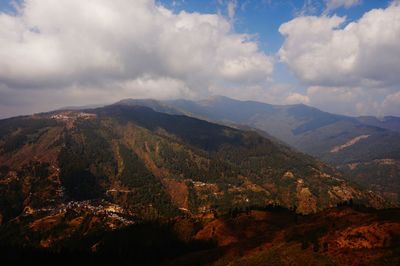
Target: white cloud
x=391 y=104
x=349 y=68
x=309 y=7
x=99 y=43
x=232 y=5
x=364 y=52
x=334 y=4
x=331 y=99
x=270 y=92
x=354 y=100
x=28 y=101
x=295 y=98
x=228 y=8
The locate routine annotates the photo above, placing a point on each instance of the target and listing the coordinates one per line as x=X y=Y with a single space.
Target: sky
x=341 y=56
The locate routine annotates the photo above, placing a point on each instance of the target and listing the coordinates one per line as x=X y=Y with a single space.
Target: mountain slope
x=387 y=122
x=152 y=164
x=347 y=142
x=347 y=235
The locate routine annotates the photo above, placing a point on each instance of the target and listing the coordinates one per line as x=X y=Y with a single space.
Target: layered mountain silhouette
x=69 y=177
x=366 y=149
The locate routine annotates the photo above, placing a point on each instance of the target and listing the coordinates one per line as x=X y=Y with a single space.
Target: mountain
x=157 y=106
x=367 y=149
x=305 y=128
x=71 y=108
x=387 y=122
x=127 y=183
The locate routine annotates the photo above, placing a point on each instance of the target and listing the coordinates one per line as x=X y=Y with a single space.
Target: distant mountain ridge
x=387 y=122
x=317 y=133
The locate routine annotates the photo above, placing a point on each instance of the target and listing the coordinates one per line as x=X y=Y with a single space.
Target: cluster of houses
x=111 y=211
x=66 y=116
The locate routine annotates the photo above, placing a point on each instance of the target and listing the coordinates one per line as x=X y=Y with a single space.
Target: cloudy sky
x=342 y=56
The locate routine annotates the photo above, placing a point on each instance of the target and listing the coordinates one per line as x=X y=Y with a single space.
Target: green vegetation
x=146 y=189
x=315 y=132
x=86 y=161
x=11 y=200
x=374 y=176
x=130 y=156
x=15 y=132
x=4 y=171
x=34 y=169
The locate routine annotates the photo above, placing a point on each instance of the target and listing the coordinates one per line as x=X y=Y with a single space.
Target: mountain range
x=73 y=176
x=366 y=149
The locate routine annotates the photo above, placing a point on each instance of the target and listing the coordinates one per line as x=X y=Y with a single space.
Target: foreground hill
x=275 y=236
x=367 y=149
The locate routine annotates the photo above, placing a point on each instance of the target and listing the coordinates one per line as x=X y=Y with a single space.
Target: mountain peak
x=156 y=105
